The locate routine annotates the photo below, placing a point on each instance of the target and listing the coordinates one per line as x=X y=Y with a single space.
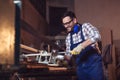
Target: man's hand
x=77 y=50
x=67 y=57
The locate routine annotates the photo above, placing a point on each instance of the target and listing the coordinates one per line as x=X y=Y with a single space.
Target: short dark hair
x=70 y=14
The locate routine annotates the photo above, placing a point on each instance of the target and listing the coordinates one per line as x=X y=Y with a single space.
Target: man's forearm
x=86 y=43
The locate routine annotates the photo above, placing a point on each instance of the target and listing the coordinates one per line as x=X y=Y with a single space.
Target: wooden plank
x=27 y=48
x=112 y=66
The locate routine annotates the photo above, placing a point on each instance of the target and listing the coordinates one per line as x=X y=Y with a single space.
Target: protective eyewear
x=68 y=22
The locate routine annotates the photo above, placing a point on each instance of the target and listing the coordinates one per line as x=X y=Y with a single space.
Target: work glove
x=77 y=50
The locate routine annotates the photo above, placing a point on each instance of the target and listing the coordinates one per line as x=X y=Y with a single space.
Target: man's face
x=68 y=23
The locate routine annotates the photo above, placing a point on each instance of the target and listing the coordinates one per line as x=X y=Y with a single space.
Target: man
x=81 y=41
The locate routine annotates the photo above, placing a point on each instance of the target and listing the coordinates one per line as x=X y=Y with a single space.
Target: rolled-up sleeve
x=91 y=32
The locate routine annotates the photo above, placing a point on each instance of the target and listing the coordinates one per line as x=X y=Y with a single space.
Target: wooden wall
x=33 y=26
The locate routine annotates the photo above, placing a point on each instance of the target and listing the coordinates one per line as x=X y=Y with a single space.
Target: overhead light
x=16 y=1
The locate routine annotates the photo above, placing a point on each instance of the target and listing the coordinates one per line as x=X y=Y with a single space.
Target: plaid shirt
x=89 y=32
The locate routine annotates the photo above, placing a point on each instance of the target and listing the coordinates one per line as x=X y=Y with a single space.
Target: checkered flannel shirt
x=89 y=32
